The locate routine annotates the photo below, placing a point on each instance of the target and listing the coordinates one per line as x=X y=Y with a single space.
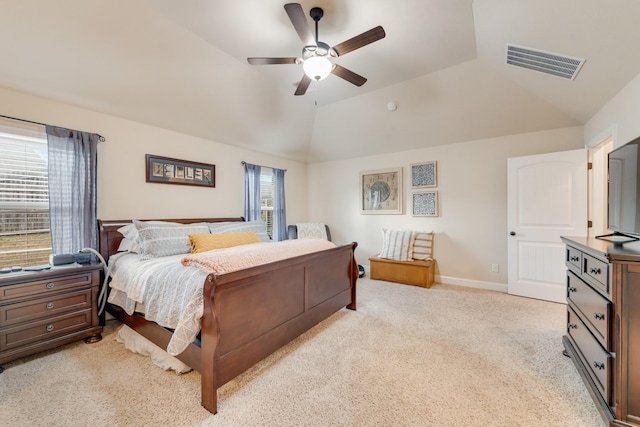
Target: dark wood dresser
x=46 y=309
x=603 y=324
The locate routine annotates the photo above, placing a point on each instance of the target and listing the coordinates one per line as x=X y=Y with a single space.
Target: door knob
x=512 y=233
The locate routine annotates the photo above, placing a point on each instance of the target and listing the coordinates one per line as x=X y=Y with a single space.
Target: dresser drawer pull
x=572 y=289
x=50 y=285
x=49 y=327
x=598 y=316
x=594 y=270
x=50 y=305
x=572 y=326
x=598 y=365
x=574 y=258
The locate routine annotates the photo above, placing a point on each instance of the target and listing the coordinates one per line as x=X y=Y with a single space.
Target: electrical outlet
x=495 y=268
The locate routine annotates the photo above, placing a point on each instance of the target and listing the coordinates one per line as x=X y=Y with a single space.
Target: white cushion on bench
x=397 y=244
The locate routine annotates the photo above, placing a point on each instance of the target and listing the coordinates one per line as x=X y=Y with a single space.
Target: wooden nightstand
x=46 y=309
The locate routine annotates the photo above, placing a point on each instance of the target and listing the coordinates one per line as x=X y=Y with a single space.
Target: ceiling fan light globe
x=317 y=67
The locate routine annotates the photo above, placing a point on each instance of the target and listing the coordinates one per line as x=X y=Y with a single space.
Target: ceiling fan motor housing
x=317 y=55
x=316 y=13
x=322 y=49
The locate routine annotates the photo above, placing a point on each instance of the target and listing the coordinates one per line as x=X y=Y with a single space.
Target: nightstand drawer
x=44 y=307
x=45 y=286
x=40 y=331
x=593 y=308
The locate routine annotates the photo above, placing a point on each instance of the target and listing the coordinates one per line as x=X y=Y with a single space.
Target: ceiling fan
x=317 y=56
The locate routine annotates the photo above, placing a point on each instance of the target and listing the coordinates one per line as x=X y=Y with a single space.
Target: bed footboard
x=251 y=313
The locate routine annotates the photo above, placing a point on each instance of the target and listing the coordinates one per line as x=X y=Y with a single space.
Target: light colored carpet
x=407 y=357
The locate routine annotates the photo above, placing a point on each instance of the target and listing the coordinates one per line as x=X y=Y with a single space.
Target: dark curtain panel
x=73 y=164
x=279 y=207
x=252 y=201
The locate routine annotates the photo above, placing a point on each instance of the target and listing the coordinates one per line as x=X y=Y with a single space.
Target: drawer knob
x=598 y=365
x=572 y=326
x=49 y=327
x=574 y=258
x=50 y=285
x=50 y=305
x=572 y=289
x=598 y=316
x=594 y=270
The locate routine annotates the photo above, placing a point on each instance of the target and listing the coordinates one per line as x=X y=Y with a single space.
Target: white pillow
x=159 y=239
x=126 y=245
x=131 y=240
x=397 y=244
x=423 y=245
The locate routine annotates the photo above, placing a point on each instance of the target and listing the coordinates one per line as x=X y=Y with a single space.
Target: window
x=266 y=198
x=25 y=238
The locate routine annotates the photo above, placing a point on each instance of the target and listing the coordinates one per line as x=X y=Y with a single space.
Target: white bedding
x=170 y=293
x=136 y=343
x=167 y=292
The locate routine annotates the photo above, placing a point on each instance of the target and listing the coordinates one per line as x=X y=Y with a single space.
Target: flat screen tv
x=623 y=210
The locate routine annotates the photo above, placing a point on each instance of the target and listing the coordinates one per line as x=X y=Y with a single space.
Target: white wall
x=122 y=190
x=471 y=230
x=620 y=117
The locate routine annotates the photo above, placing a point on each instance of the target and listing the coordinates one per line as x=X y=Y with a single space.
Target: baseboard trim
x=490 y=286
x=447 y=280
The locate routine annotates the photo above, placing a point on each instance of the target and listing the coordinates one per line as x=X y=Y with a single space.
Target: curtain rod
x=244 y=163
x=102 y=138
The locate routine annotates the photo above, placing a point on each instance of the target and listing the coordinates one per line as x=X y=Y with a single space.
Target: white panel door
x=546 y=199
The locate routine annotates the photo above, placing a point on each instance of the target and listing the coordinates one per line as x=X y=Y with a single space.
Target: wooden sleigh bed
x=250 y=313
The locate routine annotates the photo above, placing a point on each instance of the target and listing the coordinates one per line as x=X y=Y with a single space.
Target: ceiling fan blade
x=299 y=21
x=303 y=85
x=267 y=61
x=348 y=75
x=358 y=41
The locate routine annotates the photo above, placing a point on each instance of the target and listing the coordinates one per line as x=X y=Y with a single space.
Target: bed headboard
x=109 y=237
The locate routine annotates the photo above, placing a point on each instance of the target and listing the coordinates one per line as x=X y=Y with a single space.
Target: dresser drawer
x=596 y=360
x=596 y=270
x=45 y=286
x=593 y=307
x=43 y=330
x=574 y=259
x=50 y=306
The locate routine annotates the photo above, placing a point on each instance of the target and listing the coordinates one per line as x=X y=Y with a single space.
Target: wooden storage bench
x=416 y=273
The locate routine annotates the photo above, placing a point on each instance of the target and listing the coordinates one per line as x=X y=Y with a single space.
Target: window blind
x=266 y=197
x=24 y=201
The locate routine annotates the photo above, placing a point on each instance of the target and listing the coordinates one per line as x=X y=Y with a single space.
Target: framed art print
x=425 y=203
x=423 y=175
x=165 y=170
x=381 y=191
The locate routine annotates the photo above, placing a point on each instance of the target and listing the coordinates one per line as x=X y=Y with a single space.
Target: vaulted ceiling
x=182 y=66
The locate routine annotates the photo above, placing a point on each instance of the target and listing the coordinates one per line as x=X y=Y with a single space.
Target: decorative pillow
x=131 y=240
x=208 y=242
x=397 y=244
x=163 y=239
x=259 y=227
x=423 y=245
x=312 y=229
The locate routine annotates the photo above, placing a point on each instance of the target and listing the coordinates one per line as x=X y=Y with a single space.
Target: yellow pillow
x=207 y=242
